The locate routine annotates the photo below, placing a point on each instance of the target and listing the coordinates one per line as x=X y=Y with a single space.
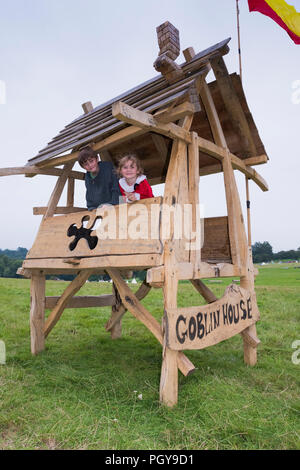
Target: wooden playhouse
x=181 y=128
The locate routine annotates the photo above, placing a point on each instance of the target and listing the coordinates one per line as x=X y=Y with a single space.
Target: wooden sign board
x=199 y=327
x=124 y=229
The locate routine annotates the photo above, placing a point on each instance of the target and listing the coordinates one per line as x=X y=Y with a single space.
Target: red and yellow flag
x=284 y=14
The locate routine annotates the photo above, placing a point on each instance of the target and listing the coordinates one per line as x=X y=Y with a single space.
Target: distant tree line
x=11 y=260
x=263 y=252
x=19 y=253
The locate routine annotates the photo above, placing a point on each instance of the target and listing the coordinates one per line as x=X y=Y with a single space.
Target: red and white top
x=141 y=188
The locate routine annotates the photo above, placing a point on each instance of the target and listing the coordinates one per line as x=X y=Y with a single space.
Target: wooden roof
x=150 y=97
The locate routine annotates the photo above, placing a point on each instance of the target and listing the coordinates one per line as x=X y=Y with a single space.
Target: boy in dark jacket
x=101 y=182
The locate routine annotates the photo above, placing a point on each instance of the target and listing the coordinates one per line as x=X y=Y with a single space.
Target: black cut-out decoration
x=82 y=232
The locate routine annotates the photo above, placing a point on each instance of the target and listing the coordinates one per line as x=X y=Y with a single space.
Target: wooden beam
x=169 y=370
x=58 y=189
x=186 y=271
x=87 y=107
x=58 y=210
x=98 y=263
x=70 y=193
x=206 y=293
x=116 y=330
x=161 y=147
x=220 y=153
x=106 y=156
x=250 y=337
x=212 y=149
x=37 y=312
x=212 y=115
x=252 y=174
x=63 y=301
x=210 y=169
x=217 y=168
x=116 y=316
x=192 y=94
x=193 y=182
x=35 y=170
x=81 y=301
x=141 y=313
x=115 y=139
x=176 y=113
x=234 y=221
x=126 y=113
x=258 y=160
x=189 y=54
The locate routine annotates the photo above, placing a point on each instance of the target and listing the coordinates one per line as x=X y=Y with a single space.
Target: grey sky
x=57 y=54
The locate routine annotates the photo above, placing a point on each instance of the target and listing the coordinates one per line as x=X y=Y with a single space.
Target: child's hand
x=130 y=196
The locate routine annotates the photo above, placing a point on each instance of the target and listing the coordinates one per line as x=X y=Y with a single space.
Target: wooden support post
x=60 y=184
x=169 y=369
x=249 y=336
x=116 y=330
x=176 y=192
x=193 y=165
x=212 y=115
x=238 y=241
x=229 y=180
x=37 y=312
x=233 y=222
x=70 y=194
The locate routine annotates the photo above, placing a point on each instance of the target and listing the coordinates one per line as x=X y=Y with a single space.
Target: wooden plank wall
x=216 y=246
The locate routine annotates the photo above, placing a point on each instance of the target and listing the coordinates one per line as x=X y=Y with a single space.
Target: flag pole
x=238 y=34
x=240 y=66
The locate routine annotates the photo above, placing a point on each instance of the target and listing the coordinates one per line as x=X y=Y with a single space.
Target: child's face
x=129 y=170
x=91 y=165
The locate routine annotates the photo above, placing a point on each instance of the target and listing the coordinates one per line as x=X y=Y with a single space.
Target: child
x=133 y=184
x=101 y=182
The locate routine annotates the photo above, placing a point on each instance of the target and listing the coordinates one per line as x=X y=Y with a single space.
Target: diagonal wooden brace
x=121 y=310
x=70 y=291
x=133 y=305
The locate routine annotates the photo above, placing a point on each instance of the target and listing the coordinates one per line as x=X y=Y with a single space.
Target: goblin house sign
x=199 y=327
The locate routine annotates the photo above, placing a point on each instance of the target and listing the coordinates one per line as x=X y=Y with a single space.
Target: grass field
x=86 y=391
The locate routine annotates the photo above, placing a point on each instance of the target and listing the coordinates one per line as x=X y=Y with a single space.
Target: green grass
x=83 y=391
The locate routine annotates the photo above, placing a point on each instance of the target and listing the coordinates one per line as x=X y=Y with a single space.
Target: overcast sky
x=58 y=54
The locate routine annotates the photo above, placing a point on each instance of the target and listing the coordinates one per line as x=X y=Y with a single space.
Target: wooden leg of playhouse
x=250 y=339
x=169 y=369
x=116 y=330
x=37 y=313
x=250 y=345
x=117 y=313
x=169 y=378
x=132 y=304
